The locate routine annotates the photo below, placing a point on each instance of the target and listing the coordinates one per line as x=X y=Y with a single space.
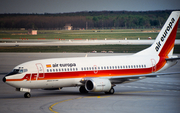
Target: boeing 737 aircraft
x=98 y=74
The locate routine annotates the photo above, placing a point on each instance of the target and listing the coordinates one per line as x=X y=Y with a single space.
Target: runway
x=157 y=95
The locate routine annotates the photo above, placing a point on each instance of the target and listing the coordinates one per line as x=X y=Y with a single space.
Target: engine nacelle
x=98 y=85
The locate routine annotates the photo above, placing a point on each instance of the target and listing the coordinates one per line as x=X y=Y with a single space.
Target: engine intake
x=98 y=85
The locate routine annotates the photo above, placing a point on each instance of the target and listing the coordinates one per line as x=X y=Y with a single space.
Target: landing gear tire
x=83 y=90
x=111 y=91
x=27 y=95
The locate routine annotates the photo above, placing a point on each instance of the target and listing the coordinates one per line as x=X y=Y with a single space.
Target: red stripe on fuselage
x=101 y=73
x=169 y=44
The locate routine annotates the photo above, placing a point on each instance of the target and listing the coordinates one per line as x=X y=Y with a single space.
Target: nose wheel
x=27 y=95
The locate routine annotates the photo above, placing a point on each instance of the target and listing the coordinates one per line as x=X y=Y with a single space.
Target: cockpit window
x=17 y=71
x=14 y=71
x=25 y=70
x=22 y=70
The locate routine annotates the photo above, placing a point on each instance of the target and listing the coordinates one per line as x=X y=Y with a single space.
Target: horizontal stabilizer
x=172 y=59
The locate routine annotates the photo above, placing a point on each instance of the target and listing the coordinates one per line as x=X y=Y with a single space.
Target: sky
x=65 y=6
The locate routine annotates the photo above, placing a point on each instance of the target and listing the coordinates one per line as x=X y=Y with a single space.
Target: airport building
x=68 y=27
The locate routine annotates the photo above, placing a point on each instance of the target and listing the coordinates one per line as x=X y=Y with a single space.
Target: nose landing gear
x=27 y=94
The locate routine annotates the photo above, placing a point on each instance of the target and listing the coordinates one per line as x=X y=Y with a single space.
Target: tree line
x=86 y=20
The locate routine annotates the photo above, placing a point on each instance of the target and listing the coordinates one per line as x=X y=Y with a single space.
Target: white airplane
x=98 y=74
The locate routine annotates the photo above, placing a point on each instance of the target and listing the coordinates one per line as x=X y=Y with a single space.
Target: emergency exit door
x=153 y=65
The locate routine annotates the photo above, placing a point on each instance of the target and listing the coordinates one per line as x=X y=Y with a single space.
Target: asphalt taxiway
x=157 y=95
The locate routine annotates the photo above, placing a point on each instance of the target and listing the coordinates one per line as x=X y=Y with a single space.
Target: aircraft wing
x=131 y=78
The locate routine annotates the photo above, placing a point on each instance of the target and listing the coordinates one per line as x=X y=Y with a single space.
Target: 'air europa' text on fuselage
x=64 y=65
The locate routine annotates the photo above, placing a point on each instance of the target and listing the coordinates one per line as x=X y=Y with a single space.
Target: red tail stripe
x=169 y=44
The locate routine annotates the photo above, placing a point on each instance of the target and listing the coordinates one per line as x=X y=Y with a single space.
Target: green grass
x=98 y=48
x=83 y=34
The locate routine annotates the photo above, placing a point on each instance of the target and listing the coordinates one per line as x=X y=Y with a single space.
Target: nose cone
x=4 y=79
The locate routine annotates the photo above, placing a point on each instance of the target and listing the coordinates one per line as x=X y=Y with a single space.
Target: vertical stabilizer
x=164 y=42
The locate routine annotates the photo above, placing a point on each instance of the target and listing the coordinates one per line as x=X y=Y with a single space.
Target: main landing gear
x=27 y=95
x=83 y=90
x=111 y=91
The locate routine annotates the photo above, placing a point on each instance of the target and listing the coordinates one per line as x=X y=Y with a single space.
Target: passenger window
x=144 y=65
x=131 y=66
x=89 y=68
x=70 y=69
x=92 y=68
x=67 y=69
x=98 y=67
x=56 y=70
x=59 y=70
x=50 y=70
x=101 y=67
x=139 y=66
x=73 y=69
x=107 y=67
x=118 y=67
x=82 y=69
x=115 y=67
x=62 y=70
x=123 y=66
x=47 y=70
x=104 y=67
x=76 y=69
x=110 y=67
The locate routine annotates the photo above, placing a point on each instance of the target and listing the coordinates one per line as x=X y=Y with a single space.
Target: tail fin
x=164 y=43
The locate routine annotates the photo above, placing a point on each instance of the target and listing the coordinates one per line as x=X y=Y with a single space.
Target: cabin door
x=40 y=71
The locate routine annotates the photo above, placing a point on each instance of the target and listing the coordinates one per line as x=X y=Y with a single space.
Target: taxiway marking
x=51 y=107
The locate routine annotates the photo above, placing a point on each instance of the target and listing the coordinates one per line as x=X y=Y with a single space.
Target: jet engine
x=98 y=85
